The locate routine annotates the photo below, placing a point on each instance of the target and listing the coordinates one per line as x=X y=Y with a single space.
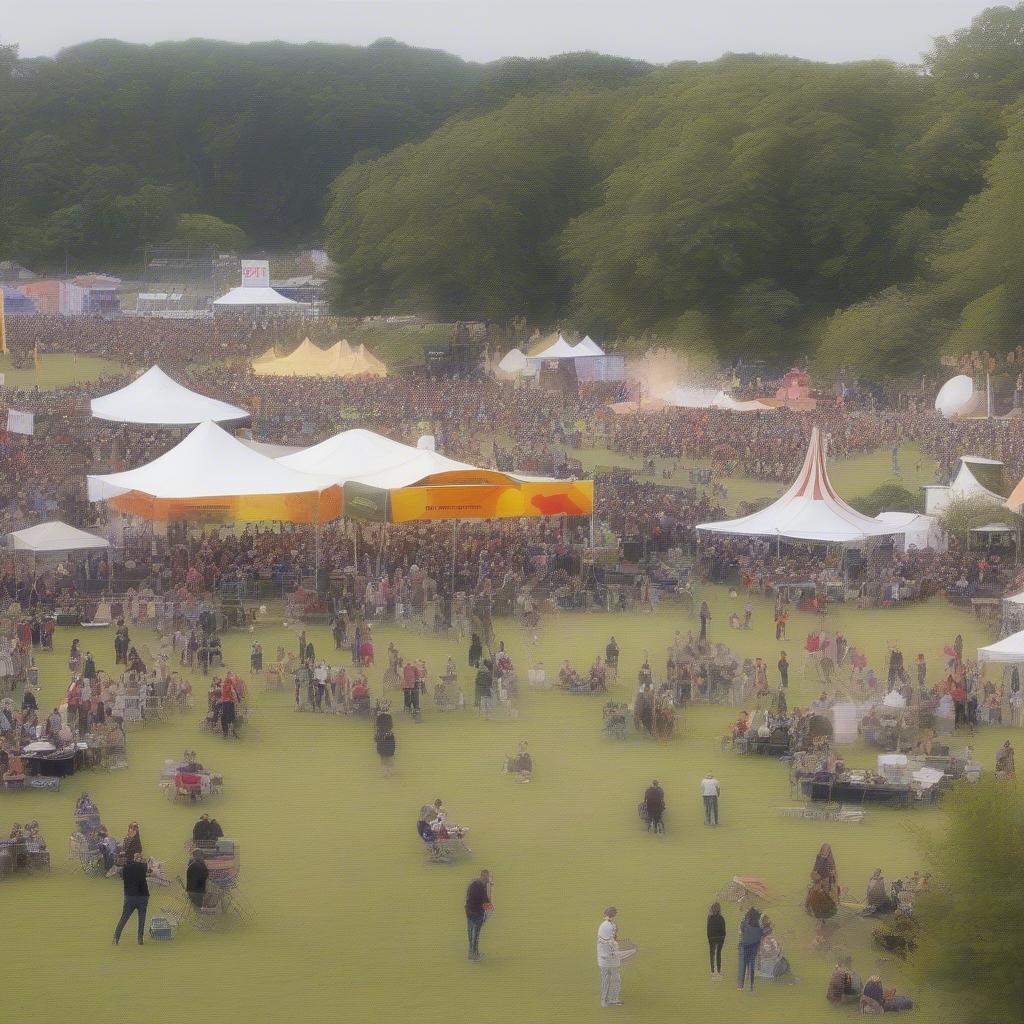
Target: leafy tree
x=888 y=498
x=960 y=517
x=971 y=919
x=205 y=229
x=893 y=334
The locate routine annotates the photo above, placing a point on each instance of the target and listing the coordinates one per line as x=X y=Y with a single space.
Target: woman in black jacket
x=716 y=938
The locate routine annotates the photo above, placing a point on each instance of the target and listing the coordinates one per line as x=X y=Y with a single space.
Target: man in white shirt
x=608 y=959
x=710 y=789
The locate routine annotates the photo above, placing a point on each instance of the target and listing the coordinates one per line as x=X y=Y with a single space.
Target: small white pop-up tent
x=54 y=538
x=159 y=400
x=916 y=530
x=1008 y=651
x=810 y=510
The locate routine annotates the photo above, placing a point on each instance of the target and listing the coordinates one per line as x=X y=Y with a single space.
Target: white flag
x=20 y=422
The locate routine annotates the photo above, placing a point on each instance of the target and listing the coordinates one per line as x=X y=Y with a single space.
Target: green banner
x=365 y=502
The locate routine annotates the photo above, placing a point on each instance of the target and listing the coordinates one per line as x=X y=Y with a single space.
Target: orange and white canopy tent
x=387 y=481
x=309 y=360
x=211 y=476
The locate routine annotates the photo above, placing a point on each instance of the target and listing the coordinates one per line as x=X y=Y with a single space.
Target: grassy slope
x=351 y=916
x=57 y=371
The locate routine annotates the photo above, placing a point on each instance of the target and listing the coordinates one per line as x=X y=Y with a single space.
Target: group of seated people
x=520 y=764
x=596 y=680
x=438 y=833
x=873 y=996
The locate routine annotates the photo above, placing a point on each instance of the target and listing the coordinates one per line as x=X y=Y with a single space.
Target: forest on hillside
x=864 y=215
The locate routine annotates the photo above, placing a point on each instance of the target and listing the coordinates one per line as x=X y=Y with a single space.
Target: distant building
x=16 y=301
x=11 y=271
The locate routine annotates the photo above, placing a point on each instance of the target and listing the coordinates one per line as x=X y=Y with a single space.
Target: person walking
x=136 y=895
x=751 y=934
x=228 y=699
x=608 y=959
x=710 y=790
x=705 y=618
x=783 y=670
x=716 y=939
x=654 y=804
x=478 y=906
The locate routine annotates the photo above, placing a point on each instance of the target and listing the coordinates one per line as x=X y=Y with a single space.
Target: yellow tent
x=308 y=360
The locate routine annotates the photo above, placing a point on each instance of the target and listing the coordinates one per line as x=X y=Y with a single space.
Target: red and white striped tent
x=810 y=510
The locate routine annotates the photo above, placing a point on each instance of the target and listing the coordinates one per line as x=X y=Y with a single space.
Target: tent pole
x=591 y=529
x=455 y=536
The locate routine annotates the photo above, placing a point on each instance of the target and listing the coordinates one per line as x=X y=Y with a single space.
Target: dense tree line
x=867 y=214
x=110 y=146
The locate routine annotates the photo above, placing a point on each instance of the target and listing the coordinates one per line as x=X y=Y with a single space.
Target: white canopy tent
x=1008 y=651
x=682 y=396
x=242 y=297
x=54 y=537
x=362 y=456
x=516 y=364
x=967 y=485
x=211 y=471
x=810 y=510
x=916 y=530
x=156 y=399
x=588 y=347
x=560 y=350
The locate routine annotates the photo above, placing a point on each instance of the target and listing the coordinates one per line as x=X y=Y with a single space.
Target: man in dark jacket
x=136 y=896
x=478 y=906
x=654 y=802
x=196 y=877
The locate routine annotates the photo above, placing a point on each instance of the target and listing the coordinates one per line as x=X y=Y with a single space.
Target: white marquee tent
x=242 y=297
x=362 y=456
x=1008 y=651
x=810 y=510
x=156 y=399
x=212 y=472
x=560 y=350
x=54 y=537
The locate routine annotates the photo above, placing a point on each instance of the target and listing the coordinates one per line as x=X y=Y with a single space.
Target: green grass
x=353 y=924
x=57 y=371
x=854 y=478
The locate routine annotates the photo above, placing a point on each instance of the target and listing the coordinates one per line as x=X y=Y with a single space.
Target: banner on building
x=255 y=274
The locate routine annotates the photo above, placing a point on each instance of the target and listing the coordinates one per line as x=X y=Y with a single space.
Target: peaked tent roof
x=362 y=456
x=589 y=347
x=155 y=398
x=309 y=360
x=54 y=536
x=810 y=510
x=254 y=297
x=212 y=474
x=560 y=350
x=1008 y=651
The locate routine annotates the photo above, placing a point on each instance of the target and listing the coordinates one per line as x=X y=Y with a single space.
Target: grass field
x=854 y=478
x=57 y=371
x=353 y=923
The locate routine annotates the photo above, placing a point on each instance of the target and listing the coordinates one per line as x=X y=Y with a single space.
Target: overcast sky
x=655 y=30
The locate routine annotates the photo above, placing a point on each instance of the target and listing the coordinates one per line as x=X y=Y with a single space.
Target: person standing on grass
x=751 y=934
x=710 y=790
x=783 y=670
x=608 y=959
x=478 y=906
x=705 y=618
x=716 y=939
x=136 y=895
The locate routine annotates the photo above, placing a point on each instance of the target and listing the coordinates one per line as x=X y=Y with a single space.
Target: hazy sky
x=656 y=30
